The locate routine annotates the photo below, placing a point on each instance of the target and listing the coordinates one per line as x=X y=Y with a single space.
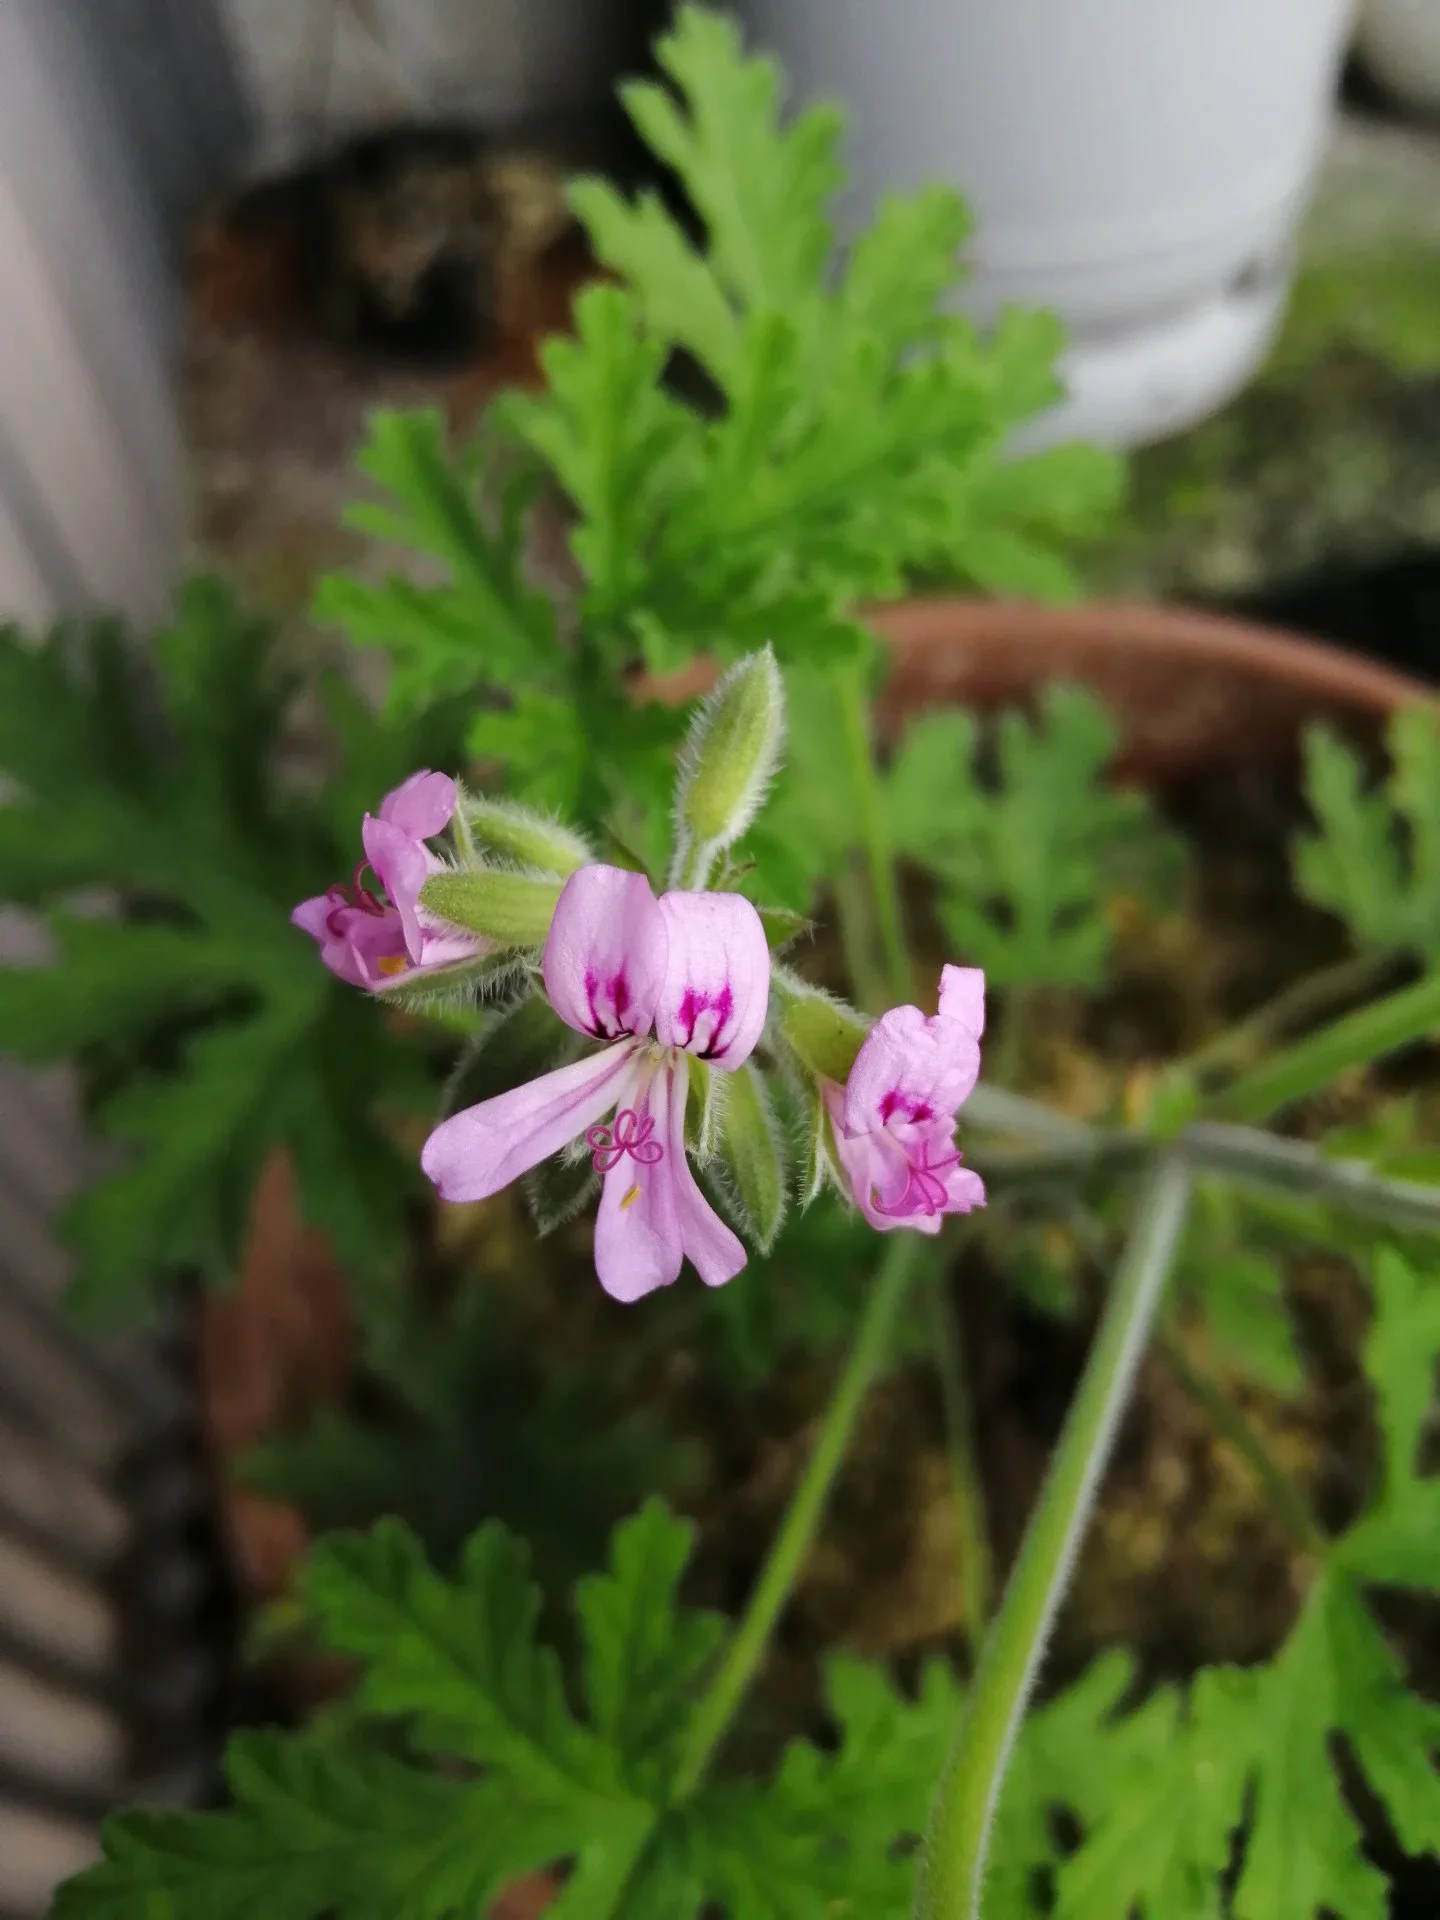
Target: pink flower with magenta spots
x=380 y=939
x=655 y=980
x=894 y=1120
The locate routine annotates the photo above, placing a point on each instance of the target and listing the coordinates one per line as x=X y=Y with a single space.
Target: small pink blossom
x=654 y=980
x=894 y=1120
x=380 y=939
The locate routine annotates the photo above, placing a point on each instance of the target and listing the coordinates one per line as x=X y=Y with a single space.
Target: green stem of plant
x=1296 y=1006
x=1355 y=1040
x=971 y=1530
x=957 y=1840
x=747 y=1647
x=1284 y=1496
x=868 y=980
x=1009 y=1068
x=850 y=694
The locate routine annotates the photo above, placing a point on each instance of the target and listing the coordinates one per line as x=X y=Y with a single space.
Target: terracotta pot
x=1188 y=690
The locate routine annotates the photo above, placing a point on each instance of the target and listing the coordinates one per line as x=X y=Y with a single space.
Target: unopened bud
x=730 y=758
x=517 y=833
x=509 y=909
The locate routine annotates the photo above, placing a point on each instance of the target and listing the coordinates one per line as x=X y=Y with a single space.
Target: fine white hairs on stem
x=726 y=765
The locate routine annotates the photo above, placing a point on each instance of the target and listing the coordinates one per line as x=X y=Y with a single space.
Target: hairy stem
x=747 y=1647
x=1009 y=1069
x=1266 y=1163
x=1296 y=1006
x=972 y=1533
x=1284 y=1496
x=868 y=981
x=1354 y=1040
x=957 y=1840
x=850 y=694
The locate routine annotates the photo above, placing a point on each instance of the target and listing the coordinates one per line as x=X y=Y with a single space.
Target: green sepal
x=752 y=1156
x=822 y=1032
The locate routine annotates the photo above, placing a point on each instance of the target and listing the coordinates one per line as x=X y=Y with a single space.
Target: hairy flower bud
x=728 y=762
x=505 y=828
x=508 y=909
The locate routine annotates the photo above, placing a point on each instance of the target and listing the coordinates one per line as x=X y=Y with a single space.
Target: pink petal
x=962 y=997
x=476 y=1153
x=716 y=1254
x=402 y=865
x=422 y=807
x=910 y=1072
x=717 y=976
x=874 y=1166
x=964 y=1190
x=310 y=916
x=637 y=1230
x=605 y=956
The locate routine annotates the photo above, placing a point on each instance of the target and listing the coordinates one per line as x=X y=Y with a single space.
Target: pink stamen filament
x=631 y=1135
x=924 y=1178
x=352 y=898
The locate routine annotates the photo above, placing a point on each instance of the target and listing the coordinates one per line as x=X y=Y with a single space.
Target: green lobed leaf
x=314 y=1831
x=644 y=1655
x=1374 y=859
x=1026 y=861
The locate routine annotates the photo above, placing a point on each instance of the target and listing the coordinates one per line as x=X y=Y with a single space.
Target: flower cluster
x=675 y=992
x=374 y=942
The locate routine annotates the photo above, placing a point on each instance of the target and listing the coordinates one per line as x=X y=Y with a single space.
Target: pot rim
x=1331 y=675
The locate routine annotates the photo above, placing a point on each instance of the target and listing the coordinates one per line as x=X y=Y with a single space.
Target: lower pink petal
x=715 y=1252
x=476 y=1153
x=638 y=1245
x=964 y=1190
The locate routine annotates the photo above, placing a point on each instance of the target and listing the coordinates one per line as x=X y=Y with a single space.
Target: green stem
x=850 y=693
x=972 y=1533
x=1257 y=1160
x=867 y=974
x=1009 y=1068
x=1302 y=1002
x=957 y=1841
x=787 y=1553
x=1284 y=1496
x=1355 y=1040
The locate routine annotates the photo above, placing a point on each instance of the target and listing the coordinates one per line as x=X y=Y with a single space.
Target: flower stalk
x=962 y=1819
x=718 y=1705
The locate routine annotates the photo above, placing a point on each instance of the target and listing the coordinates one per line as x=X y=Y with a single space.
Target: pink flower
x=371 y=941
x=895 y=1119
x=655 y=980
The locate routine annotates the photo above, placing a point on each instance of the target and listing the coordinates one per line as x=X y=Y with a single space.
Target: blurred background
x=230 y=228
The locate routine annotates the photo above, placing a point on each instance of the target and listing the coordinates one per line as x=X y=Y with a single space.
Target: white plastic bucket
x=1399 y=41
x=1139 y=168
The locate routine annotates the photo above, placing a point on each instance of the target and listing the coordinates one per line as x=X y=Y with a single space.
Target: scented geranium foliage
x=847 y=430
x=155 y=816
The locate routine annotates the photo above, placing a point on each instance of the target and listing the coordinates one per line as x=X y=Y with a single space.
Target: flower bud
x=513 y=832
x=729 y=759
x=509 y=909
